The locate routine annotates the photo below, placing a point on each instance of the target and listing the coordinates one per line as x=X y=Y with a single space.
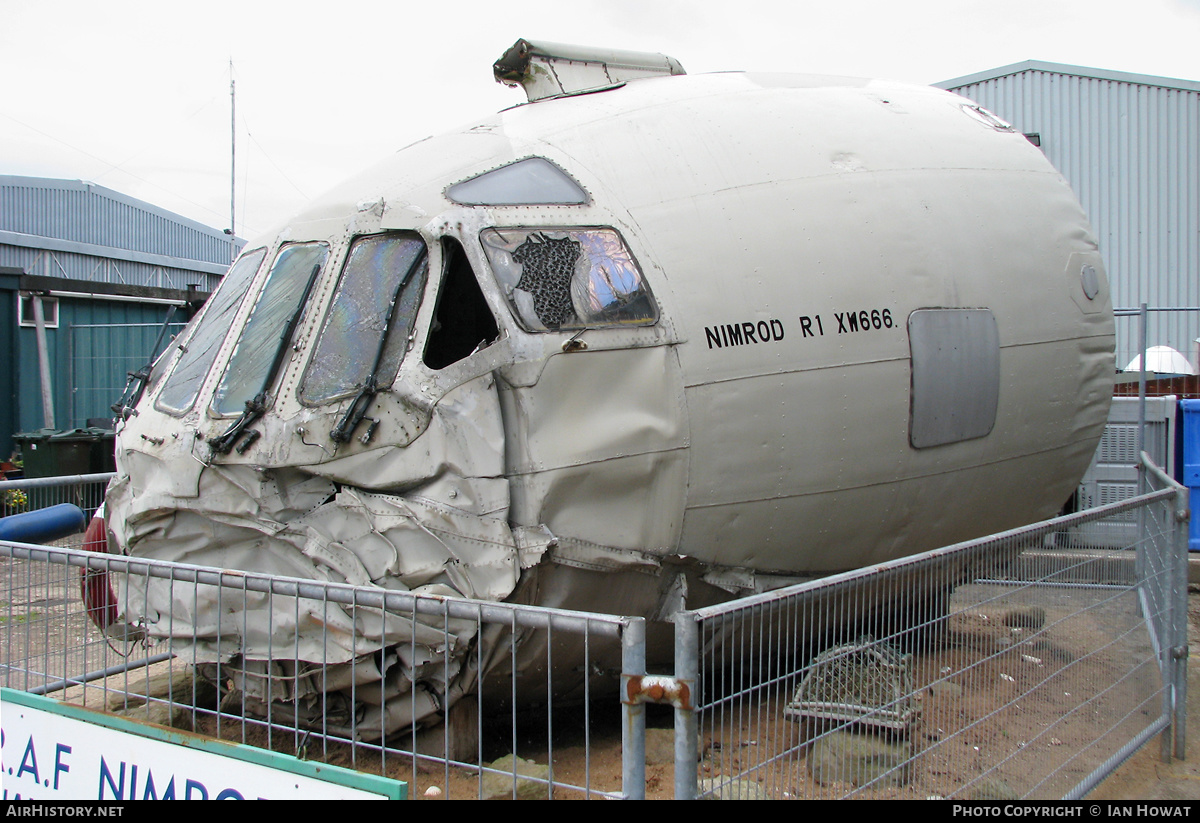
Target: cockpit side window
x=463 y=322
x=197 y=354
x=566 y=279
x=370 y=319
x=264 y=341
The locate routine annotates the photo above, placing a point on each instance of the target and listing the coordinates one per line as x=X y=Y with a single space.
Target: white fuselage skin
x=767 y=423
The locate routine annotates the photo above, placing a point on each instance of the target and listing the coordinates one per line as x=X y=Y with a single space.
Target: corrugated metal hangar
x=1129 y=145
x=104 y=269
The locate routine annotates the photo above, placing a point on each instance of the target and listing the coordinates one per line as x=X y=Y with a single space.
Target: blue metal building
x=104 y=269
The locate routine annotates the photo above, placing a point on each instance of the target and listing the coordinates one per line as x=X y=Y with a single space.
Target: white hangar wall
x=1129 y=145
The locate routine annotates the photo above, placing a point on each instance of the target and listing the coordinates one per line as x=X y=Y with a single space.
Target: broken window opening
x=547 y=266
x=569 y=279
x=462 y=322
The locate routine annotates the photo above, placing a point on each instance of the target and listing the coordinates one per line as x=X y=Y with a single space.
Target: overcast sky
x=135 y=96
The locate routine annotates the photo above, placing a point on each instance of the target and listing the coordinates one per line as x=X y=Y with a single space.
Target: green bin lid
x=75 y=434
x=37 y=434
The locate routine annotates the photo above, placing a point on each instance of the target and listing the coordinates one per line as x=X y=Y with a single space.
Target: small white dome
x=1162 y=360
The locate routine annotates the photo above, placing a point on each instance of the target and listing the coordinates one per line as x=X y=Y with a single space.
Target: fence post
x=687 y=733
x=1141 y=436
x=1179 y=650
x=633 y=711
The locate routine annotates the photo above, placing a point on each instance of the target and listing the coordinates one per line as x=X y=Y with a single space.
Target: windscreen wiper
x=257 y=406
x=135 y=385
x=357 y=412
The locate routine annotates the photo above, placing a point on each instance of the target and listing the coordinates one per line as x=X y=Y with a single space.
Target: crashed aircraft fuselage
x=754 y=327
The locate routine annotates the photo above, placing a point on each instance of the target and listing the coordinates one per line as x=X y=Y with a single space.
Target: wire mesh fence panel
x=1027 y=664
x=288 y=665
x=103 y=356
x=1173 y=353
x=29 y=495
x=1175 y=326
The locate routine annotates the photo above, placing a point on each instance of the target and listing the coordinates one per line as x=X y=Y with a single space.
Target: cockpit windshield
x=263 y=343
x=370 y=318
x=197 y=354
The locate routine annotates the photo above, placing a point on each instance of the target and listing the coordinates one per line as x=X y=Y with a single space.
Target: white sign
x=56 y=751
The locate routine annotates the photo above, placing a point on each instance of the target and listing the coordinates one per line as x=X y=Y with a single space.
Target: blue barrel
x=1191 y=465
x=43 y=525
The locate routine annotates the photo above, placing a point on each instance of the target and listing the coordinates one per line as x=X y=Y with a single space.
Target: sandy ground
x=1145 y=776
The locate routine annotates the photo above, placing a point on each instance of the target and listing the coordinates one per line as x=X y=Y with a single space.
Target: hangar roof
x=83 y=224
x=1077 y=71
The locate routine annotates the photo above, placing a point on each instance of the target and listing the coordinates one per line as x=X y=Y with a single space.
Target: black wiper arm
x=289 y=329
x=362 y=401
x=136 y=383
x=355 y=414
x=255 y=409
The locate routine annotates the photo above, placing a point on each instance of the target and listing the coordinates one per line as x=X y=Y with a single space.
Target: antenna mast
x=232 y=165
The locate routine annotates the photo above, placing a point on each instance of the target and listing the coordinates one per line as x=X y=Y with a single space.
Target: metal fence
x=507 y=738
x=1026 y=664
x=86 y=491
x=1141 y=327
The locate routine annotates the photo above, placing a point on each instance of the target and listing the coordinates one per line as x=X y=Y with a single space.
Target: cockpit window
x=197 y=354
x=265 y=339
x=562 y=279
x=532 y=181
x=377 y=297
x=462 y=321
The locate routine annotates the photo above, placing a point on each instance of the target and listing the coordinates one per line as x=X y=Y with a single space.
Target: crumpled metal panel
x=447 y=533
x=596 y=464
